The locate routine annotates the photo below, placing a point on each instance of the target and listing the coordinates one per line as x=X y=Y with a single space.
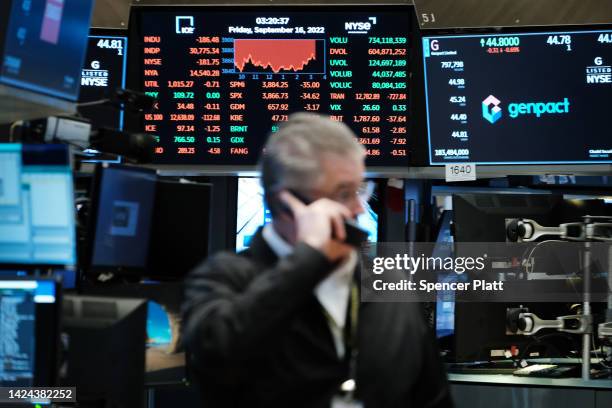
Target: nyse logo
x=599 y=73
x=361 y=27
x=491 y=110
x=94 y=76
x=185 y=25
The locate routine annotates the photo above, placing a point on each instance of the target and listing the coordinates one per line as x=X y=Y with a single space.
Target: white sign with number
x=460 y=172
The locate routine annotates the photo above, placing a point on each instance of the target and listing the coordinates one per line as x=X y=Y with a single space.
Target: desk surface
x=505 y=379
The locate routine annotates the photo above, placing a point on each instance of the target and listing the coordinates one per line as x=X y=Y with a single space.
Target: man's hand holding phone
x=320 y=225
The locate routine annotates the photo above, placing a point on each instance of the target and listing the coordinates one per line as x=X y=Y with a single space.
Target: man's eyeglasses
x=345 y=195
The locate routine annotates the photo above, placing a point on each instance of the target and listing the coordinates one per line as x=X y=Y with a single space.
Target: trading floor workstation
x=130 y=154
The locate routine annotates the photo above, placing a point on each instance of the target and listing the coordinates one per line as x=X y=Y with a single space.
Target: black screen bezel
x=90 y=267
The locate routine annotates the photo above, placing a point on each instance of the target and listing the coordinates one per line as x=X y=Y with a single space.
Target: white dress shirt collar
x=333 y=292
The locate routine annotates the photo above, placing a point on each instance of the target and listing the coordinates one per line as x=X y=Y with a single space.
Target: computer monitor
x=180 y=233
x=106 y=349
x=104 y=71
x=44 y=46
x=445 y=300
x=479 y=327
x=29 y=332
x=37 y=218
x=122 y=203
x=165 y=353
x=253 y=213
x=225 y=76
x=519 y=97
x=159 y=332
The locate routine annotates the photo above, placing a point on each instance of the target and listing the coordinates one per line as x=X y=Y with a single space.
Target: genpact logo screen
x=490 y=109
x=538 y=108
x=492 y=112
x=518 y=98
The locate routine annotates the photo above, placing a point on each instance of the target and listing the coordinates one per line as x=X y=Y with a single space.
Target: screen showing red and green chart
x=225 y=79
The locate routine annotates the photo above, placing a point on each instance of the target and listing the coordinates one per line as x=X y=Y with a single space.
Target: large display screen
x=45 y=46
x=103 y=72
x=225 y=77
x=523 y=98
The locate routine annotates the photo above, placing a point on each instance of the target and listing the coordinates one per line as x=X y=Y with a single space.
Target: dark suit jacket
x=258 y=338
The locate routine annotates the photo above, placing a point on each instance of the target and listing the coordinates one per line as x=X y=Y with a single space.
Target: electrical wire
x=533 y=250
x=602 y=358
x=531 y=268
x=93 y=103
x=12 y=128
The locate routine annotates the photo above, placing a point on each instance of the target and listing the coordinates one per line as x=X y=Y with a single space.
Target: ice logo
x=184 y=25
x=490 y=109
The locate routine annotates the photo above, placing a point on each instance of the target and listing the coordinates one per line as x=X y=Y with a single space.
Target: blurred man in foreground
x=281 y=324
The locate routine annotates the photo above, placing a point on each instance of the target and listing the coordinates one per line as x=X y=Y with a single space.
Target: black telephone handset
x=355 y=235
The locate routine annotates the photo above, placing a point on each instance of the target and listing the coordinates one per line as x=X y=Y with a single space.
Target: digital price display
x=225 y=77
x=524 y=98
x=103 y=72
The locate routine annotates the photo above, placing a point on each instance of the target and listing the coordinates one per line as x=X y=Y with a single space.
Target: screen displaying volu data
x=519 y=98
x=225 y=78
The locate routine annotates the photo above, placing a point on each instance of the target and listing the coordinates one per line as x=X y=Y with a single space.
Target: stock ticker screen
x=103 y=72
x=524 y=98
x=225 y=78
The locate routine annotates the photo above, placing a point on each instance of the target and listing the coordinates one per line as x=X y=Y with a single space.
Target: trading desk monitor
x=45 y=46
x=253 y=213
x=180 y=233
x=120 y=221
x=520 y=98
x=36 y=206
x=226 y=76
x=29 y=332
x=102 y=74
x=445 y=301
x=106 y=350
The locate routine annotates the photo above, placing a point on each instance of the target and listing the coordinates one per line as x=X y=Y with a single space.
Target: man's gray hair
x=292 y=156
